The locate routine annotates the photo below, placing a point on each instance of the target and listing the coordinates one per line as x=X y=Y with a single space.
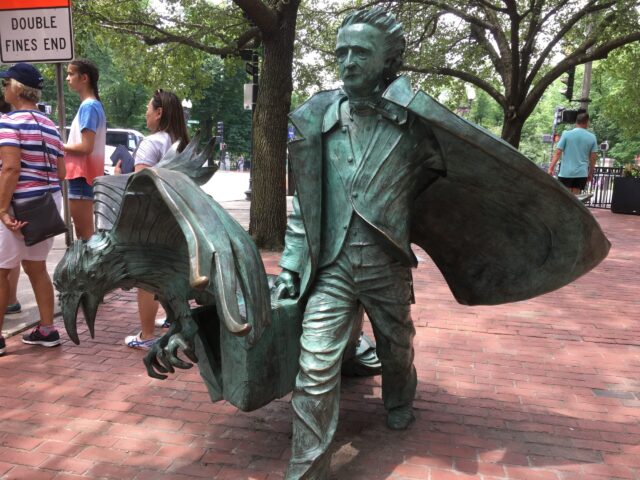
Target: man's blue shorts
x=79 y=189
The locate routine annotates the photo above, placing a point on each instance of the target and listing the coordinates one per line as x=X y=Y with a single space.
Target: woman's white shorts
x=12 y=247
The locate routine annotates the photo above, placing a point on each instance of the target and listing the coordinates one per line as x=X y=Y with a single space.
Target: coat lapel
x=306 y=163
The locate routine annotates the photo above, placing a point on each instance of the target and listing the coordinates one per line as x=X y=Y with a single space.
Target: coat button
x=354 y=195
x=350 y=159
x=344 y=129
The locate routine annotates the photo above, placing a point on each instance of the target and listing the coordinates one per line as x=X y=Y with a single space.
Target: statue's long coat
x=497 y=226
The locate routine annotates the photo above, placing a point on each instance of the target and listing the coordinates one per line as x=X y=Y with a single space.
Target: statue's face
x=361 y=58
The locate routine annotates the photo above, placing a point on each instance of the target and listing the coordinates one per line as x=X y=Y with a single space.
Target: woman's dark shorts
x=79 y=189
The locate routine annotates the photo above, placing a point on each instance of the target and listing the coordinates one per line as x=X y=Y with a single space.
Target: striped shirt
x=38 y=172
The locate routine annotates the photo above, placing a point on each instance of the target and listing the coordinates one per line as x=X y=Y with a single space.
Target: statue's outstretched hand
x=287 y=284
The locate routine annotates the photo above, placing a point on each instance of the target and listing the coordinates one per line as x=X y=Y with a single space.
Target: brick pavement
x=542 y=389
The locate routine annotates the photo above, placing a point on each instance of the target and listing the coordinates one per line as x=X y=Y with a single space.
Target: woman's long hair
x=88 y=68
x=172 y=119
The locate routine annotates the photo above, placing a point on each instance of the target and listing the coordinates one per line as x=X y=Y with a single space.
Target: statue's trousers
x=362 y=274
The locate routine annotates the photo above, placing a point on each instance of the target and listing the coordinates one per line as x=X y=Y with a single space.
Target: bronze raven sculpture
x=158 y=230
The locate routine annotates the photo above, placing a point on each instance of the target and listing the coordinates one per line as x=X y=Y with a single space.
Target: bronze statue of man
x=378 y=167
x=347 y=242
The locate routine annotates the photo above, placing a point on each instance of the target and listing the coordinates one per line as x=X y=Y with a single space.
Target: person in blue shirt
x=84 y=150
x=578 y=150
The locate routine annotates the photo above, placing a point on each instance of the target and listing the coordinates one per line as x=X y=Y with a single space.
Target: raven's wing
x=109 y=189
x=191 y=160
x=163 y=208
x=498 y=228
x=108 y=192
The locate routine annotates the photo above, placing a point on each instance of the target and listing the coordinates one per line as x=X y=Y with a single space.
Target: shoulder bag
x=40 y=213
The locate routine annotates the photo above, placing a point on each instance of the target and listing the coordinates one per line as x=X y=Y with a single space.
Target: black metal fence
x=601 y=186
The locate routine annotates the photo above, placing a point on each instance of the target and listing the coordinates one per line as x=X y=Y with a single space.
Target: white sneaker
x=162 y=322
x=135 y=341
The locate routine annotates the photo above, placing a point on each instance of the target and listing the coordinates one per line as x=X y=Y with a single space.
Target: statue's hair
x=394 y=43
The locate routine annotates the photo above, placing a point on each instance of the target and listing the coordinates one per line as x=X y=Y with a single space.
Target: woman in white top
x=165 y=121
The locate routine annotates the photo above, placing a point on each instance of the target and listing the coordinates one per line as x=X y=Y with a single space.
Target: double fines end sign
x=35 y=31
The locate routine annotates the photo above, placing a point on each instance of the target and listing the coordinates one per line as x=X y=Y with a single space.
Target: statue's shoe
x=365 y=362
x=400 y=418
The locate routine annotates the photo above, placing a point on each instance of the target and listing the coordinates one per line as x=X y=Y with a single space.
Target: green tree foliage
x=124 y=100
x=220 y=98
x=166 y=41
x=616 y=104
x=511 y=49
x=619 y=83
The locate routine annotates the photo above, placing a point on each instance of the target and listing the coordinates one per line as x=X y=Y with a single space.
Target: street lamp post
x=465 y=110
x=186 y=108
x=251 y=96
x=471 y=96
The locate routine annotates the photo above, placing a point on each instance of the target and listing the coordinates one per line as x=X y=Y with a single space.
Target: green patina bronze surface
x=159 y=231
x=378 y=166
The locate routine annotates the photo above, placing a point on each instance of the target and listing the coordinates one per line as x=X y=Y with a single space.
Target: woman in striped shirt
x=31 y=159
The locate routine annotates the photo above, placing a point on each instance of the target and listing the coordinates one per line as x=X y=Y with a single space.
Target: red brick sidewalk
x=543 y=389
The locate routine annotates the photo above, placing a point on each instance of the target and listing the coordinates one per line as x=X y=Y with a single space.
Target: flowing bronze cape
x=498 y=227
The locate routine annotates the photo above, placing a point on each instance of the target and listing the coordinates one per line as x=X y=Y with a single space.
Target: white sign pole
x=62 y=122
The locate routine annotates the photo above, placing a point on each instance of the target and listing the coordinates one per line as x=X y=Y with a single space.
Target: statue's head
x=369 y=48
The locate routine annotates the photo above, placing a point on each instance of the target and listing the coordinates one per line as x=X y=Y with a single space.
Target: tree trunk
x=512 y=130
x=206 y=127
x=268 y=215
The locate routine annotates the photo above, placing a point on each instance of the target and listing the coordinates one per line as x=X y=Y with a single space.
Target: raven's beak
x=69 y=304
x=90 y=304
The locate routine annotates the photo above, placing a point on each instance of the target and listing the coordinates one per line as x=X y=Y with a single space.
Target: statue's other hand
x=287 y=284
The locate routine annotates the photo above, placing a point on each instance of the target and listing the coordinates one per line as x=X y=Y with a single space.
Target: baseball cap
x=26 y=74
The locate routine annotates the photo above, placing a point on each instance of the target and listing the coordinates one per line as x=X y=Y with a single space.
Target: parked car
x=118 y=136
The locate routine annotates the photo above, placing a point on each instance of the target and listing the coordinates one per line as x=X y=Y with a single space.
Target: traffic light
x=568 y=81
x=569 y=116
x=246 y=54
x=220 y=129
